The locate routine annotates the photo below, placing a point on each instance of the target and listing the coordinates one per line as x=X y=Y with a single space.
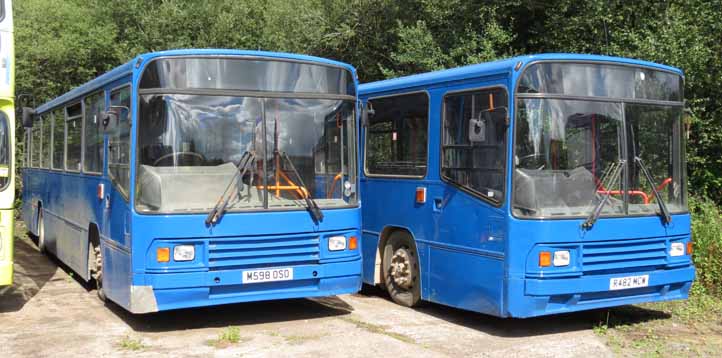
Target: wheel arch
x=384 y=236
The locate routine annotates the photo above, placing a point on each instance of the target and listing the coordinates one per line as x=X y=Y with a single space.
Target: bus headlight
x=561 y=258
x=184 y=253
x=676 y=249
x=336 y=243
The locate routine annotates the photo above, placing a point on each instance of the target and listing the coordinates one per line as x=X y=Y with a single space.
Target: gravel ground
x=49 y=313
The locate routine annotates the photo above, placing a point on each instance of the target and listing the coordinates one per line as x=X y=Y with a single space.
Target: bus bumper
x=167 y=291
x=537 y=297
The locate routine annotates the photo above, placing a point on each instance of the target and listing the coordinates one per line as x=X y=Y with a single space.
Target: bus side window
x=58 y=139
x=35 y=144
x=474 y=141
x=47 y=122
x=119 y=142
x=397 y=135
x=93 y=157
x=73 y=137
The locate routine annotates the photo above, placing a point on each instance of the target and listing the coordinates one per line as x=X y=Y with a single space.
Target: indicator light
x=545 y=259
x=352 y=243
x=162 y=254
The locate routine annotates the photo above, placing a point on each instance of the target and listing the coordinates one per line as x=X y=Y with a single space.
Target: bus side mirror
x=109 y=121
x=28 y=114
x=366 y=113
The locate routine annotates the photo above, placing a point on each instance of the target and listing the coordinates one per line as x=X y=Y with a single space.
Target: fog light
x=184 y=253
x=561 y=258
x=545 y=259
x=676 y=249
x=336 y=243
x=162 y=254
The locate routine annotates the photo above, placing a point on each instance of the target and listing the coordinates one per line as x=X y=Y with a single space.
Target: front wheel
x=401 y=270
x=95 y=266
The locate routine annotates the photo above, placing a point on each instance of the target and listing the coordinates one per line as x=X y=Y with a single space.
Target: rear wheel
x=401 y=269
x=95 y=268
x=41 y=233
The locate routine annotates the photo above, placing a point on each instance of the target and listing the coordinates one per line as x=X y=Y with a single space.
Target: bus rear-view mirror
x=109 y=121
x=488 y=118
x=366 y=113
x=28 y=114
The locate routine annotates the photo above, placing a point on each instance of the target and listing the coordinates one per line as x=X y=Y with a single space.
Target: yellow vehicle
x=7 y=142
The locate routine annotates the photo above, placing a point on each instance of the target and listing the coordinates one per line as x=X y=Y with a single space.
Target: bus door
x=467 y=262
x=117 y=209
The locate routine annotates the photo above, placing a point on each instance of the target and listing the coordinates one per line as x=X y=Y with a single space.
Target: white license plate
x=269 y=275
x=621 y=283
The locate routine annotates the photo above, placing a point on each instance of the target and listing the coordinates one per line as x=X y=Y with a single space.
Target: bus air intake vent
x=620 y=256
x=265 y=251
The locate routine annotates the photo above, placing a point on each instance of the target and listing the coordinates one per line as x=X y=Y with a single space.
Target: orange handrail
x=330 y=191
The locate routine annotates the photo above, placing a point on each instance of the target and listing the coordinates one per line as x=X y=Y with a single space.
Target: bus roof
x=127 y=68
x=505 y=66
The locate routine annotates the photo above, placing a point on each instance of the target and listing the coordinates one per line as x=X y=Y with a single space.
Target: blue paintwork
x=70 y=206
x=477 y=256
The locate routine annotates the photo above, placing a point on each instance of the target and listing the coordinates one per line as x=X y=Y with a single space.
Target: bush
x=707 y=236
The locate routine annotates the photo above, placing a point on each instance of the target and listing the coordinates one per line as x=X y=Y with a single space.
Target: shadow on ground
x=32 y=270
x=234 y=314
x=545 y=325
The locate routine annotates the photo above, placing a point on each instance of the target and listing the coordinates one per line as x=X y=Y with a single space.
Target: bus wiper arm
x=311 y=204
x=613 y=177
x=664 y=212
x=220 y=208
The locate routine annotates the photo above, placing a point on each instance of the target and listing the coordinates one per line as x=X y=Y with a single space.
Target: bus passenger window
x=47 y=121
x=397 y=135
x=93 y=161
x=474 y=141
x=74 y=133
x=58 y=139
x=5 y=171
x=35 y=145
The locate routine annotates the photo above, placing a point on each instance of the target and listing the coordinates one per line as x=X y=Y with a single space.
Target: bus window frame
x=505 y=170
x=52 y=144
x=428 y=141
x=82 y=124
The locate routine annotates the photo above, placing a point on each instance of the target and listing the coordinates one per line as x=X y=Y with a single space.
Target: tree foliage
x=63 y=43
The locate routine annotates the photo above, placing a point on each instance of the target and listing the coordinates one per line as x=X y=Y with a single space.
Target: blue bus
x=190 y=178
x=529 y=186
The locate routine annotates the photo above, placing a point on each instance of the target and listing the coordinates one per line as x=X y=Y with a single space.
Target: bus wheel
x=41 y=233
x=401 y=269
x=95 y=261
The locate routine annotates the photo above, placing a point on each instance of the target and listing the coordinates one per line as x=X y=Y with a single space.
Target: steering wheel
x=195 y=157
x=527 y=157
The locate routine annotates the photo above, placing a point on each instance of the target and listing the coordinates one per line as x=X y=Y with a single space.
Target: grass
x=374 y=328
x=131 y=344
x=665 y=329
x=229 y=336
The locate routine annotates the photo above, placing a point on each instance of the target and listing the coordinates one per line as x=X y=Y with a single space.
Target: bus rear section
x=230 y=177
x=530 y=186
x=7 y=142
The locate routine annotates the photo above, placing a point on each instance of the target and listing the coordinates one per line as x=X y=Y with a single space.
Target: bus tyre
x=95 y=265
x=401 y=270
x=41 y=233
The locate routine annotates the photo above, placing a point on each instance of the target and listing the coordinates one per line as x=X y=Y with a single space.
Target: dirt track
x=49 y=313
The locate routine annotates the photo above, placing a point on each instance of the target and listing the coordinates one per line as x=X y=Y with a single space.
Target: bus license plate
x=270 y=275
x=621 y=283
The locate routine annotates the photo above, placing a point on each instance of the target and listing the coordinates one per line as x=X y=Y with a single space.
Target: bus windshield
x=568 y=147
x=191 y=143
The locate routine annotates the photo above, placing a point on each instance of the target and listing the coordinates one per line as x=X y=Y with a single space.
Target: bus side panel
x=467 y=281
x=116 y=274
x=369 y=245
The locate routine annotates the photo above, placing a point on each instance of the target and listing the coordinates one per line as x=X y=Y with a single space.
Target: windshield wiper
x=311 y=204
x=662 y=205
x=607 y=180
x=220 y=208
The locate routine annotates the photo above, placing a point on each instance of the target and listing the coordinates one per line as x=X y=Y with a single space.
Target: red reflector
x=100 y=191
x=420 y=195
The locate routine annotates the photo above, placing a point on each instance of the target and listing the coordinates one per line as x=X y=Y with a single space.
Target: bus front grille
x=266 y=251
x=620 y=256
